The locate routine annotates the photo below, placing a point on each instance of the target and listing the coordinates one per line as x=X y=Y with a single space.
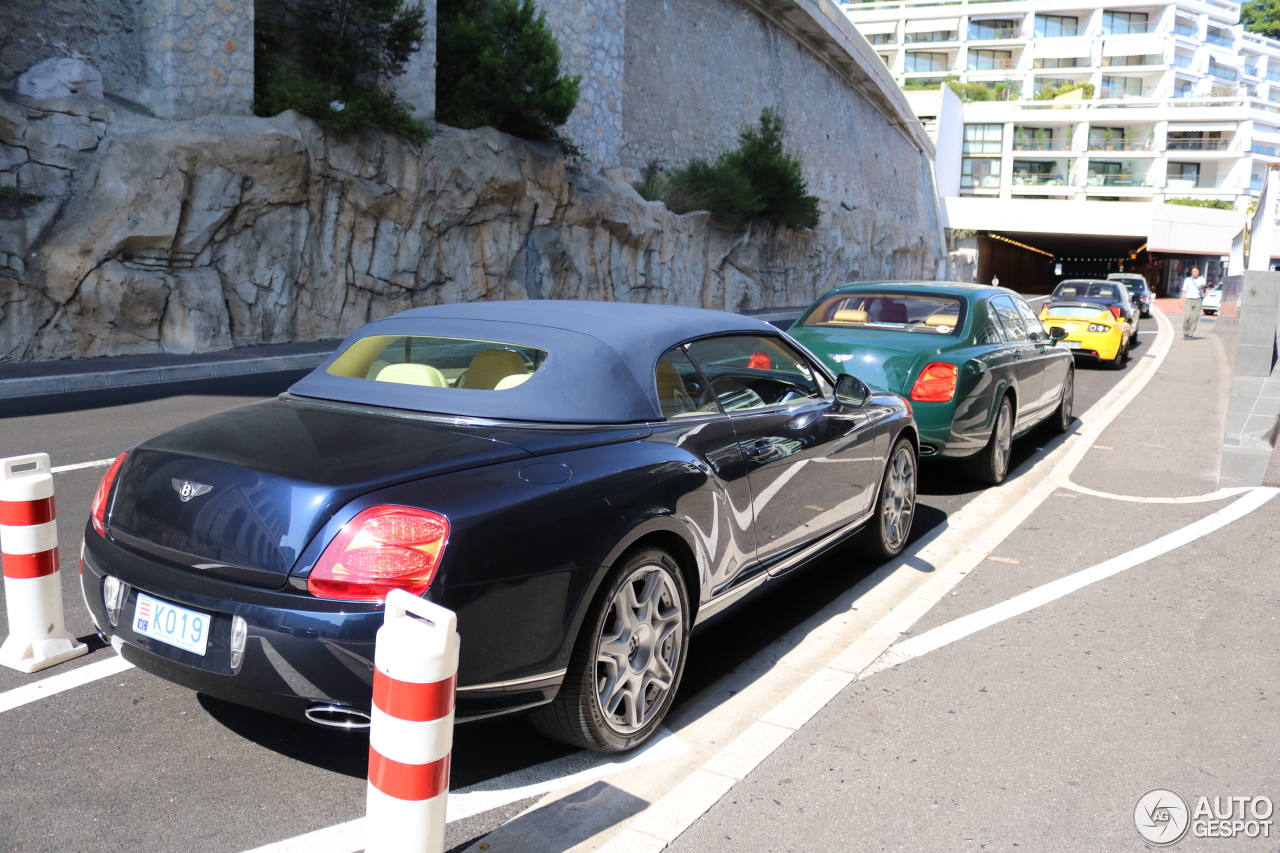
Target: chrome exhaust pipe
x=338 y=717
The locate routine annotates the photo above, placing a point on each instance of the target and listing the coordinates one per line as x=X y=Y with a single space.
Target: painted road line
x=949 y=633
x=997 y=512
x=37 y=690
x=503 y=790
x=97 y=463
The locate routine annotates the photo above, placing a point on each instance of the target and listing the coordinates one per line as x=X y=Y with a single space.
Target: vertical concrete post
x=197 y=57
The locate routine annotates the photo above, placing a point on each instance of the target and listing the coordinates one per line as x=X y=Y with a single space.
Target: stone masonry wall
x=698 y=70
x=197 y=57
x=201 y=235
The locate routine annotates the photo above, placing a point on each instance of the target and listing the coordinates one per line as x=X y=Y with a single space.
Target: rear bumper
x=301 y=651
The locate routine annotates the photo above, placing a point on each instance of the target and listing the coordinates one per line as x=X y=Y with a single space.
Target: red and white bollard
x=411 y=735
x=32 y=584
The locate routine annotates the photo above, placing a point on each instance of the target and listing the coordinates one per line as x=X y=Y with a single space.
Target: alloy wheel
x=638 y=649
x=899 y=498
x=1004 y=438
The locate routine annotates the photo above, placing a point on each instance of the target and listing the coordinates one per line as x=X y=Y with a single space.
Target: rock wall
x=203 y=235
x=680 y=100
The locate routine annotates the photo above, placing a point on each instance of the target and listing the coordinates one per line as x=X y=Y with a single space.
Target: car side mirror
x=1057 y=333
x=851 y=390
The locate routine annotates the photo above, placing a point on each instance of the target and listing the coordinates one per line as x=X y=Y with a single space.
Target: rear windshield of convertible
x=439 y=362
x=1087 y=289
x=1077 y=312
x=925 y=313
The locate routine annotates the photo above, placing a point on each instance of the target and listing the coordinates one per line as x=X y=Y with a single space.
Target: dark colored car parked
x=582 y=483
x=1138 y=289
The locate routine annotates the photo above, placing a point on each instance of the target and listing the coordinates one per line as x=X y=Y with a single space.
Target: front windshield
x=921 y=312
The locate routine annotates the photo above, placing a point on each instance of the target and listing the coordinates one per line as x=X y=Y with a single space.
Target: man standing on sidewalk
x=1192 y=299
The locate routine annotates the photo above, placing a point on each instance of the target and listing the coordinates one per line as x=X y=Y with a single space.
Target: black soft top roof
x=600 y=367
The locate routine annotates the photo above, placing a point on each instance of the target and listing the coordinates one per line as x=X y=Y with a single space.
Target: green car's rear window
x=924 y=313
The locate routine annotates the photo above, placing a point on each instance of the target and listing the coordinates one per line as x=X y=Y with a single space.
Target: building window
x=992 y=28
x=1222 y=38
x=887 y=59
x=1033 y=139
x=1222 y=72
x=1184 y=175
x=1107 y=139
x=1121 y=87
x=1123 y=23
x=983 y=138
x=1036 y=173
x=1110 y=61
x=1056 y=26
x=883 y=38
x=935 y=35
x=980 y=173
x=1071 y=62
x=990 y=60
x=1109 y=174
x=1197 y=140
x=918 y=62
x=1184 y=89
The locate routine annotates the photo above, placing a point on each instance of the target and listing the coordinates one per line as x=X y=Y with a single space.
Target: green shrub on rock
x=498 y=65
x=757 y=180
x=327 y=59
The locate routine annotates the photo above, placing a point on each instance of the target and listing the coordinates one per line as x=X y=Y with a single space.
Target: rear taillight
x=381 y=549
x=98 y=512
x=937 y=383
x=1115 y=311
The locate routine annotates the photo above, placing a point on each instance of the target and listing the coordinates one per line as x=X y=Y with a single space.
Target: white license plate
x=1071 y=344
x=168 y=623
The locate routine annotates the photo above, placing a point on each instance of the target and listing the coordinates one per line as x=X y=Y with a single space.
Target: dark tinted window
x=681 y=388
x=1035 y=329
x=1015 y=329
x=752 y=372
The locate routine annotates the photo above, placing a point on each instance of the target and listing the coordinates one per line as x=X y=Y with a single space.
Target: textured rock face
x=202 y=235
x=60 y=78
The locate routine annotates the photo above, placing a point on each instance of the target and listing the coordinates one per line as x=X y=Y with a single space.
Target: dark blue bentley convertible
x=583 y=483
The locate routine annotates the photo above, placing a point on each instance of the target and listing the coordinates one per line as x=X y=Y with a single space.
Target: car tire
x=887 y=532
x=619 y=641
x=990 y=464
x=1062 y=417
x=1118 y=362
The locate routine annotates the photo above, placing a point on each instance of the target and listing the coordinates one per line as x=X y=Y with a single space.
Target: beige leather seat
x=674 y=399
x=850 y=316
x=375 y=369
x=511 y=381
x=942 y=320
x=491 y=366
x=413 y=374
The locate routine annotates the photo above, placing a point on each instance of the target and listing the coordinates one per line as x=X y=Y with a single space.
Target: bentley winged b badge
x=187 y=490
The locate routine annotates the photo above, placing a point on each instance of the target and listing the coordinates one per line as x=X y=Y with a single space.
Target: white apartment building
x=1093 y=104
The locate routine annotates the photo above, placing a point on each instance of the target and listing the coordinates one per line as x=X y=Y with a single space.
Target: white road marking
x=482 y=797
x=37 y=690
x=97 y=463
x=964 y=626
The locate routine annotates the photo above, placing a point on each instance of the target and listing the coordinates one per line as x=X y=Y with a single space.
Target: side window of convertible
x=1014 y=327
x=681 y=389
x=755 y=371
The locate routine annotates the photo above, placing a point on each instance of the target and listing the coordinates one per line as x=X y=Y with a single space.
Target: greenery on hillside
x=1261 y=16
x=328 y=59
x=498 y=65
x=757 y=180
x=1214 y=203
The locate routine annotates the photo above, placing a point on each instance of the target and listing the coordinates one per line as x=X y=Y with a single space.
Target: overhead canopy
x=879 y=28
x=1062 y=48
x=1133 y=47
x=934 y=25
x=1183 y=126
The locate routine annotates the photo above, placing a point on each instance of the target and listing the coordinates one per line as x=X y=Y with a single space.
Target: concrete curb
x=35 y=385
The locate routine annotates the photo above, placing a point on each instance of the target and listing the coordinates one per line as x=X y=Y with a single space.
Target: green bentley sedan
x=977 y=364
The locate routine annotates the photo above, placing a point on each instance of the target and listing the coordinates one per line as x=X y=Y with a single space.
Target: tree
x=498 y=65
x=1262 y=17
x=330 y=59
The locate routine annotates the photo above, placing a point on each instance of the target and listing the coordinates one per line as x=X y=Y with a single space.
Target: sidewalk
x=30 y=378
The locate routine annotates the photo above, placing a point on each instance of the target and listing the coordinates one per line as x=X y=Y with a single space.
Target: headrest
x=413 y=374
x=511 y=381
x=942 y=320
x=849 y=315
x=491 y=366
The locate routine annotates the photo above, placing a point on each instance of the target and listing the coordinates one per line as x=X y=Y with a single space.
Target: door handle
x=759 y=450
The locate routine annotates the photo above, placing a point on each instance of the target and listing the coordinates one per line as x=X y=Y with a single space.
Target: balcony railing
x=930 y=37
x=1040 y=145
x=1182 y=61
x=1269 y=150
x=1198 y=145
x=1176 y=183
x=987 y=34
x=1117 y=92
x=1273 y=76
x=1184 y=30
x=1221 y=41
x=980 y=64
x=1028 y=179
x=980 y=182
x=1222 y=72
x=1251 y=71
x=1056 y=32
x=1116 y=145
x=1125 y=179
x=1124 y=29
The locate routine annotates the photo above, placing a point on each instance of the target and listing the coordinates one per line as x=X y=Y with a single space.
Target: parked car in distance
x=978 y=365
x=1139 y=290
x=1212 y=300
x=1091 y=330
x=582 y=483
x=1111 y=295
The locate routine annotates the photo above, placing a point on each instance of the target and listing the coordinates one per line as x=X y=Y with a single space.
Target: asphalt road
x=132 y=762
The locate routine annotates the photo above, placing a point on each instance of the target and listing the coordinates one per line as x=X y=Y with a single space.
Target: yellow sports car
x=1093 y=330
